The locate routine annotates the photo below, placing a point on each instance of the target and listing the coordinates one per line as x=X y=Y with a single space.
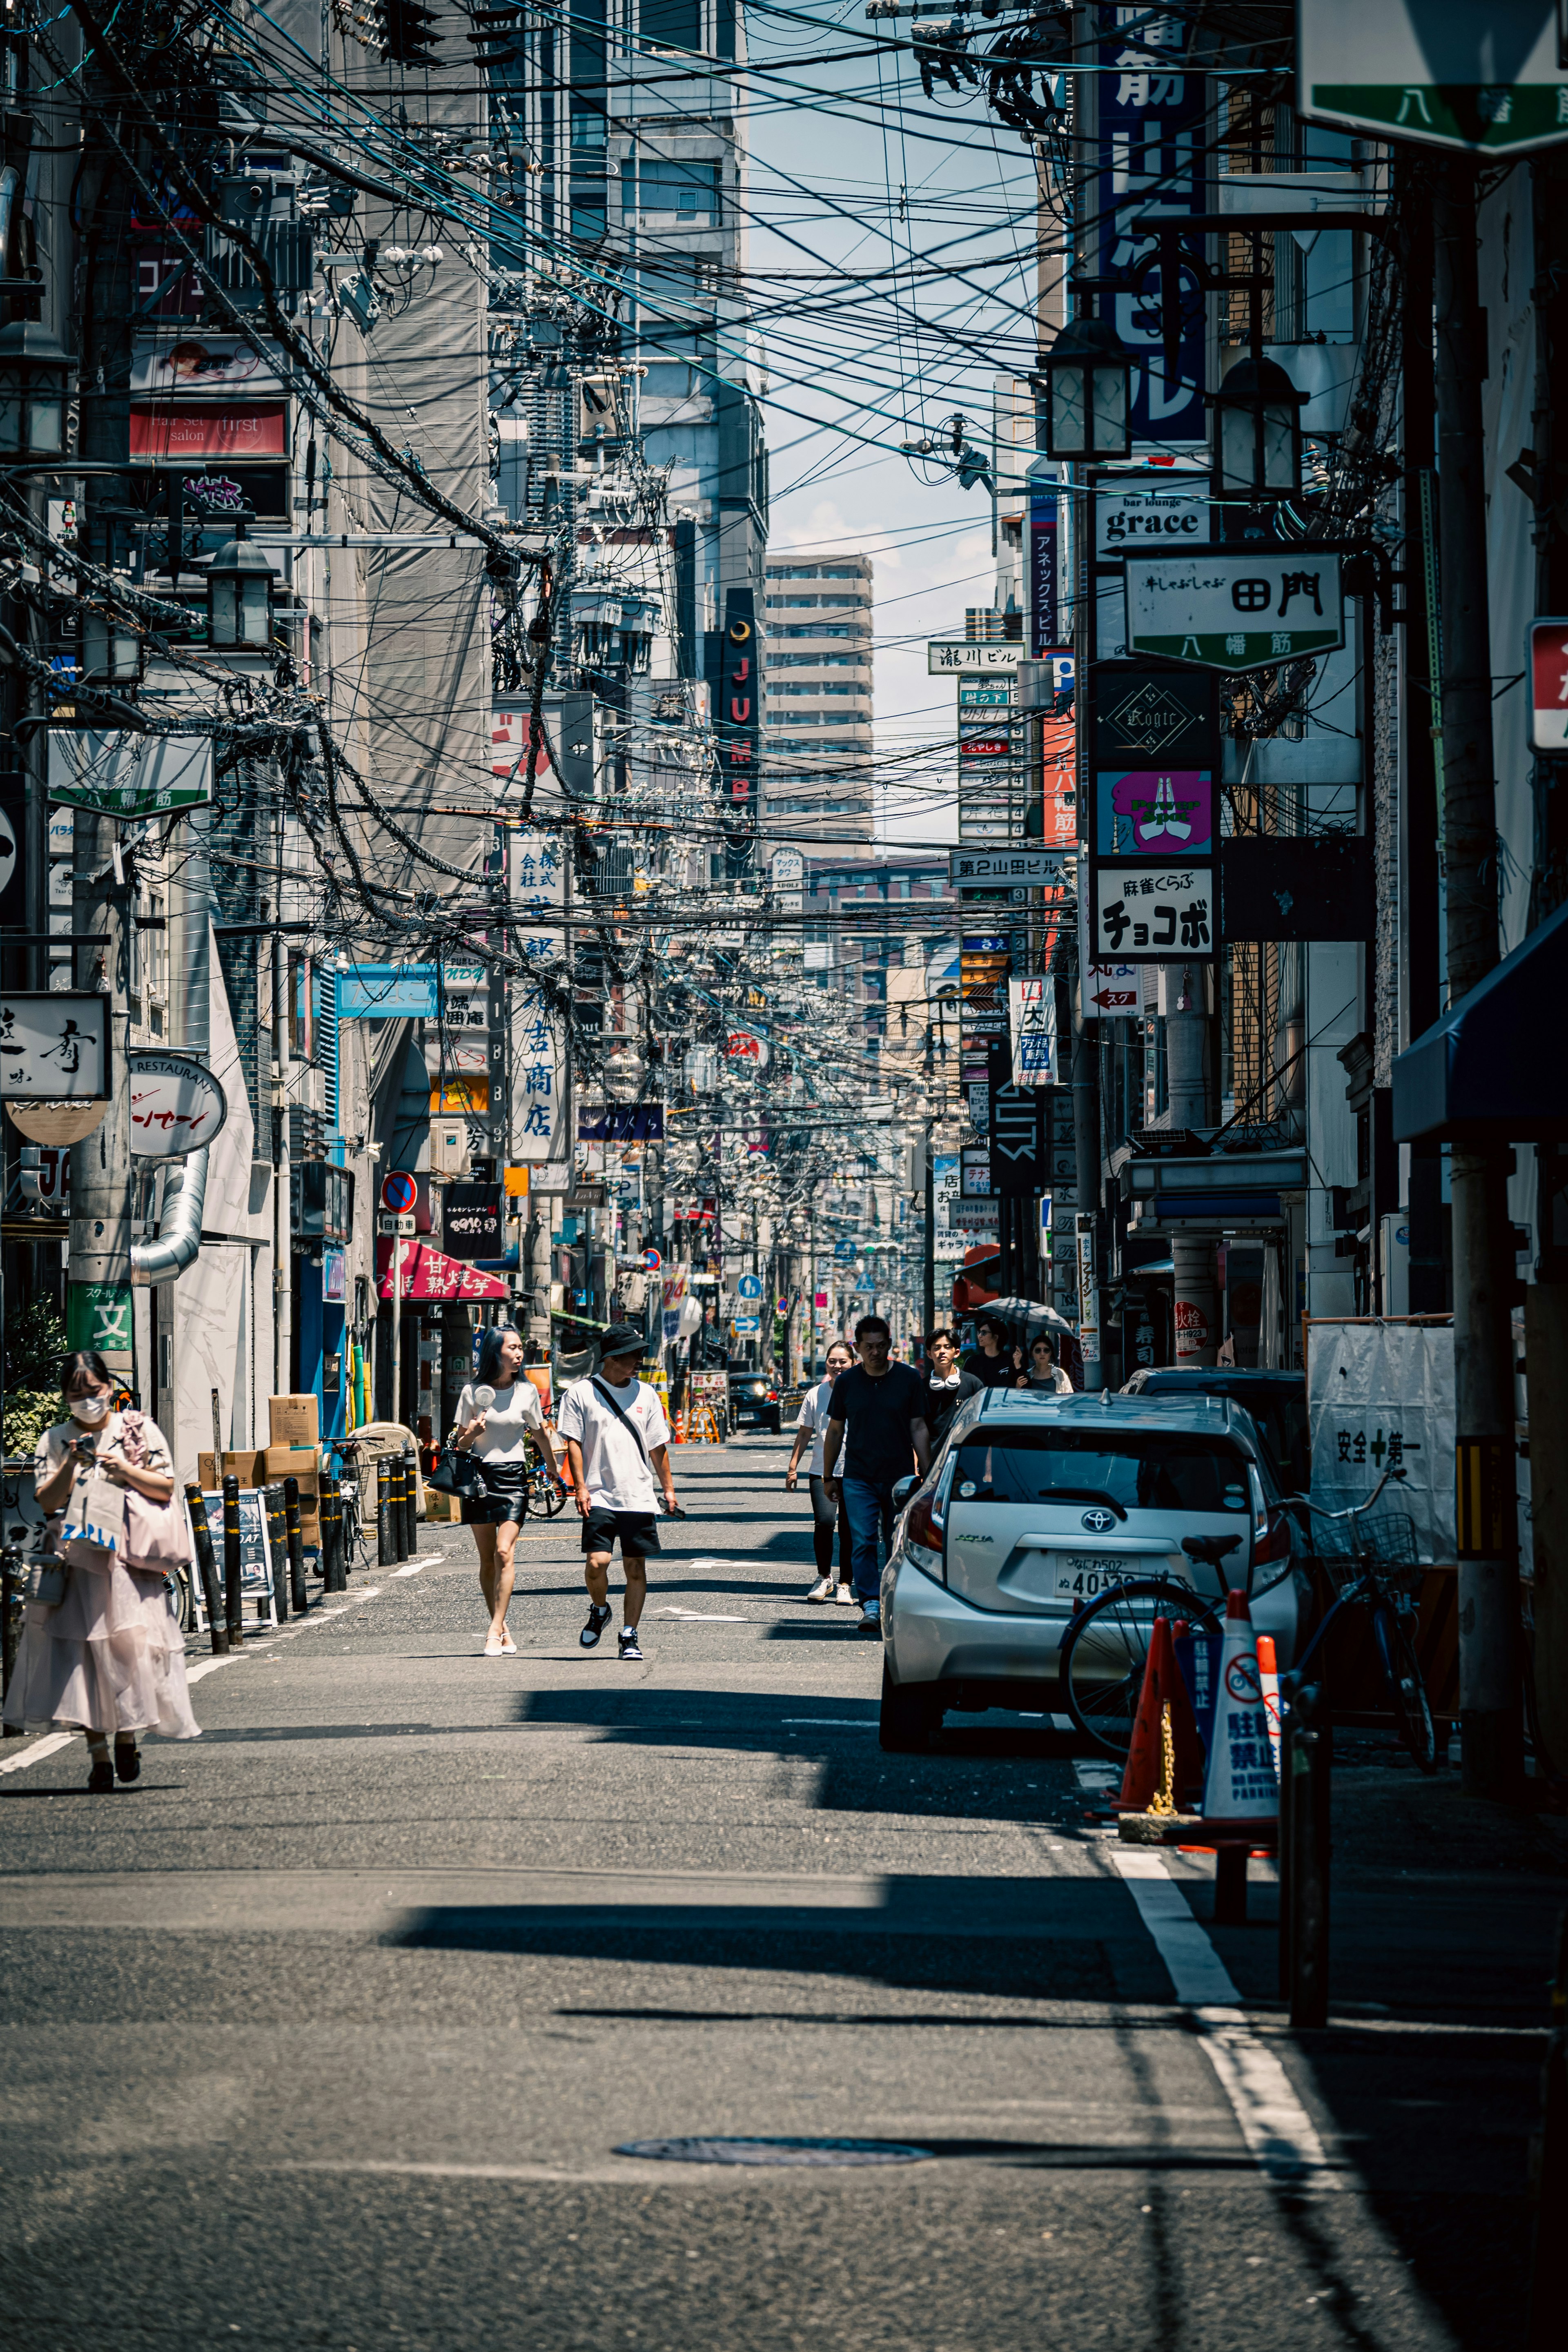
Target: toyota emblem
x=1097 y=1522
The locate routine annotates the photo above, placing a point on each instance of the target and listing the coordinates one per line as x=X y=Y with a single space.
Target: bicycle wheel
x=1412 y=1709
x=1105 y=1650
x=545 y=1494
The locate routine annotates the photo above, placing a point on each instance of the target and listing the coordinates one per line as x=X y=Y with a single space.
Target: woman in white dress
x=109 y=1659
x=497 y=1435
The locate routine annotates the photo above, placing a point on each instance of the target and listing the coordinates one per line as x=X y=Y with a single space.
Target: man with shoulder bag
x=617 y=1439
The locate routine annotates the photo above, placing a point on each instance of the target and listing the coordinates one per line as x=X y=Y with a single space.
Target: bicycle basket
x=1386 y=1538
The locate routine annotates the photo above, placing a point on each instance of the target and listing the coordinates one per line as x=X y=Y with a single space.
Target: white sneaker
x=822 y=1589
x=844 y=1596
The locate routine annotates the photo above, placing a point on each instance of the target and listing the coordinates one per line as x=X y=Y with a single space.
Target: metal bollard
x=234 y=1606
x=207 y=1569
x=410 y=1504
x=296 y=1549
x=332 y=1535
x=1306 y=1766
x=395 y=1493
x=10 y=1582
x=385 y=1554
x=275 y=1553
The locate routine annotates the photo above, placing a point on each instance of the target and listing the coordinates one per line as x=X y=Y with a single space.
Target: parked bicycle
x=354 y=1537
x=1379 y=1571
x=1106 y=1646
x=545 y=1494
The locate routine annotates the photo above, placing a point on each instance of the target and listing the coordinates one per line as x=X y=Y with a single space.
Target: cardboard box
x=250 y=1468
x=299 y=1462
x=294 y=1420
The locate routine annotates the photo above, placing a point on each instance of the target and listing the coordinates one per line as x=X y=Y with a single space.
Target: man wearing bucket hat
x=617 y=1440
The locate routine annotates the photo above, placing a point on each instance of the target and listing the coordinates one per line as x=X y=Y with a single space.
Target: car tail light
x=773 y=1396
x=923 y=1527
x=1274 y=1542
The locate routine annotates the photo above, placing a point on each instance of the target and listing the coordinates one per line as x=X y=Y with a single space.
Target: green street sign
x=97 y=1314
x=1443 y=73
x=120 y=774
x=1235 y=608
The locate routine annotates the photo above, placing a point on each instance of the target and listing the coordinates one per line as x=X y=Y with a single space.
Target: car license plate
x=1082 y=1575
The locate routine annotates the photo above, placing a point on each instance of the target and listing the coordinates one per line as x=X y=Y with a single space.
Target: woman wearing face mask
x=110 y=1659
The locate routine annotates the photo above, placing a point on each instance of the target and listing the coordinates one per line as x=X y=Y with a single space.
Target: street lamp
x=1088 y=403
x=239 y=597
x=1258 y=432
x=35 y=377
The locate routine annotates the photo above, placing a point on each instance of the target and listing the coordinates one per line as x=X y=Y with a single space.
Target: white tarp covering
x=1383 y=1391
x=213 y=1297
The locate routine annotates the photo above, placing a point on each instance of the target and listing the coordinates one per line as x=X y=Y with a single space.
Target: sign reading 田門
x=1235 y=608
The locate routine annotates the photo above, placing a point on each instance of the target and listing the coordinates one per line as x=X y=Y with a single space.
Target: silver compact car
x=1036 y=1507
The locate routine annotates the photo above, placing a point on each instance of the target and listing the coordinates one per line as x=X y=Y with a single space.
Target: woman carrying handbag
x=107 y=1657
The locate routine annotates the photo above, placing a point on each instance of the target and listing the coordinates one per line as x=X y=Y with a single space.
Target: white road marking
x=50 y=1745
x=855 y=1722
x=700 y=1617
x=1279 y=2132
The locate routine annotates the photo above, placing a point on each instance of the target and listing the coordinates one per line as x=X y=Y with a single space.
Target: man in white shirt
x=618 y=1441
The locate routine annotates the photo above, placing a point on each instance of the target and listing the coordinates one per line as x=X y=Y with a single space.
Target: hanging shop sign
x=1235 y=608
x=1490 y=80
x=176 y=1105
x=1152 y=914
x=1152 y=139
x=993 y=869
x=427 y=1273
x=1549 y=686
x=206 y=367
x=1114 y=991
x=1048 y=631
x=125 y=775
x=1154 y=811
x=1032 y=1018
x=743 y=1046
x=740 y=703
x=54 y=1047
x=621 y=1123
x=1141 y=718
x=14 y=895
x=388 y=991
x=1134 y=512
x=946 y=656
x=471 y=1221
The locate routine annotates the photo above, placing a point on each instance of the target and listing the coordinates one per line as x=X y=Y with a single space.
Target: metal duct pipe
x=179 y=1236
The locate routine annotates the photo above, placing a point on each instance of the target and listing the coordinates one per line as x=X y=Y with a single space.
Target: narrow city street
x=337 y=2028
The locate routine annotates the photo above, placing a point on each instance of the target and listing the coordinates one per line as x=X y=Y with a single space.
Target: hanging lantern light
x=1088 y=392
x=1258 y=432
x=239 y=597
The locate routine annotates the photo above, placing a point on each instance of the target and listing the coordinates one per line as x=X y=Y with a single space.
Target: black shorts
x=505 y=1495
x=638 y=1531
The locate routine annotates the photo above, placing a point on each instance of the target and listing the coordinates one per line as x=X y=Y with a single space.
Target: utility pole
x=1490 y=1706
x=98 y=1296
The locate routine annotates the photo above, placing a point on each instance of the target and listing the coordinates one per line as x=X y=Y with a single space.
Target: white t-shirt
x=504 y=1437
x=617 y=1477
x=813 y=1417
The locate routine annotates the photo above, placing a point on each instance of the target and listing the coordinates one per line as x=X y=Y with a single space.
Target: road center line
x=1281 y=2134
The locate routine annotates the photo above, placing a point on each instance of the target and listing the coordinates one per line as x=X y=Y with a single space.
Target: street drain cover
x=776 y=2151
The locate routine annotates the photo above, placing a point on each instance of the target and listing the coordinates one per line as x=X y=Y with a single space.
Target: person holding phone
x=617 y=1443
x=109 y=1658
x=498 y=1414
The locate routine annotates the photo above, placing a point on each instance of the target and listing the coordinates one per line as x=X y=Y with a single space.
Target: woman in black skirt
x=496 y=1432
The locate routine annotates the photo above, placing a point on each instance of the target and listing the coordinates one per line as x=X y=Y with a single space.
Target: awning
x=1488 y=1071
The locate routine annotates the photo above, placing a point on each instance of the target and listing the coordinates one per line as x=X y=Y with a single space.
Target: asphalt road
x=336 y=2029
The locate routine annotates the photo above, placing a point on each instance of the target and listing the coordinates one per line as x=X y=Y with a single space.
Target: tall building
x=818 y=761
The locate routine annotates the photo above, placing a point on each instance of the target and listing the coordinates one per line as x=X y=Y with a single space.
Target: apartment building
x=817 y=757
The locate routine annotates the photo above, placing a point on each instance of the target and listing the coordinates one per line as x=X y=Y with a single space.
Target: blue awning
x=1492 y=1069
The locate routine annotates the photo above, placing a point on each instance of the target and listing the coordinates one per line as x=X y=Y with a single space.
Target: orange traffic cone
x=1162 y=1688
x=1269 y=1676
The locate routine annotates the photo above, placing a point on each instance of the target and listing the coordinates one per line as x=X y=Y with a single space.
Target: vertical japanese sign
x=1046 y=622
x=739 y=718
x=536 y=874
x=1151 y=158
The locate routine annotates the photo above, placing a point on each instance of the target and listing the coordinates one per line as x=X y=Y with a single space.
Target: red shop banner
x=429 y=1273
x=161 y=435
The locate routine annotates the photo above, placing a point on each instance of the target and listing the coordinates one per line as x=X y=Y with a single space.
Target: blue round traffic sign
x=652 y=1260
x=398 y=1192
x=749 y=1285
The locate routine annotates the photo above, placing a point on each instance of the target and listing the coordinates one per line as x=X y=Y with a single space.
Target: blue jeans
x=868 y=1507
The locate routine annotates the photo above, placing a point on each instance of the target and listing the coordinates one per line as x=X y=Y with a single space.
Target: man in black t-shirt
x=876 y=1420
x=995 y=1362
x=946 y=1387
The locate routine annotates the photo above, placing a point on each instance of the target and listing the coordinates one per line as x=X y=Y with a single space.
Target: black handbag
x=457 y=1474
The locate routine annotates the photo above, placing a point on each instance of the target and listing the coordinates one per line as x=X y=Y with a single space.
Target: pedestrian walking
x=618 y=1441
x=876 y=1435
x=947 y=1387
x=810 y=1430
x=1044 y=1371
x=109 y=1658
x=497 y=1433
x=995 y=1362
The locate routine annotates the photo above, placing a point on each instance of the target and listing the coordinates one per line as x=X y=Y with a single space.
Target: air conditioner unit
x=449 y=1152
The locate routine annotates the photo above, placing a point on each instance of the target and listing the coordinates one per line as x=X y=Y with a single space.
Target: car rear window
x=1144 y=1470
